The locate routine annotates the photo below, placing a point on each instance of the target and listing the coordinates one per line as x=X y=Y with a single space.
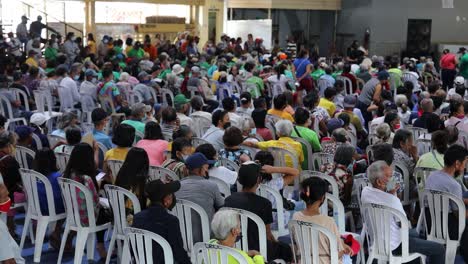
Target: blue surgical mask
x=391 y=184
x=253 y=131
x=76 y=77
x=351 y=166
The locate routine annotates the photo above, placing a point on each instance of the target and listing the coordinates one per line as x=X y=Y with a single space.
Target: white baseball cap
x=459 y=80
x=38 y=119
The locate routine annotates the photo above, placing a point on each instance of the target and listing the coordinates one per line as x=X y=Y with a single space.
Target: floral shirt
x=234 y=154
x=342 y=176
x=88 y=182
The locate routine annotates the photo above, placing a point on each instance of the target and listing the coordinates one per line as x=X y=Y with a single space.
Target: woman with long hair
x=154 y=144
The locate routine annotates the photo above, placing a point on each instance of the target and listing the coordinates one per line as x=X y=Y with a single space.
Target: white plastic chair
x=184 y=211
x=201 y=124
x=243 y=244
x=310 y=151
x=62 y=160
x=37 y=140
x=372 y=139
x=280 y=155
x=24 y=155
x=229 y=164
x=400 y=167
x=21 y=95
x=334 y=186
x=114 y=167
x=160 y=173
x=108 y=105
x=164 y=93
x=272 y=194
x=205 y=253
x=421 y=175
x=417 y=132
x=322 y=85
x=378 y=219
x=139 y=244
x=305 y=242
x=424 y=146
x=54 y=140
x=85 y=234
x=348 y=84
x=439 y=205
x=30 y=180
x=320 y=158
x=7 y=111
x=198 y=141
x=117 y=199
x=45 y=104
x=223 y=187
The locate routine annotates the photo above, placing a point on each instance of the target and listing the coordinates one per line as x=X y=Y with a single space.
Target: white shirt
x=89 y=88
x=185 y=120
x=223 y=174
x=373 y=195
x=68 y=93
x=375 y=123
x=9 y=248
x=280 y=84
x=214 y=135
x=202 y=114
x=236 y=120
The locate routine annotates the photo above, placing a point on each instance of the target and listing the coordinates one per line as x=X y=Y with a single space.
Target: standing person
x=37 y=26
x=463 y=63
x=70 y=48
x=371 y=94
x=448 y=64
x=249 y=45
x=14 y=46
x=22 y=31
x=303 y=69
x=92 y=44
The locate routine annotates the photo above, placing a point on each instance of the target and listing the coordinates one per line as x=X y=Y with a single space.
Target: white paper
x=100 y=176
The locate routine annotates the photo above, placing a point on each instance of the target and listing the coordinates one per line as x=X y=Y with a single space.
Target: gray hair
x=340 y=135
x=223 y=222
x=376 y=171
x=383 y=131
x=284 y=128
x=344 y=154
x=364 y=67
x=401 y=99
x=247 y=124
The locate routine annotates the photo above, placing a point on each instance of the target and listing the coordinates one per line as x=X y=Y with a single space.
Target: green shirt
x=136 y=53
x=433 y=160
x=164 y=73
x=259 y=86
x=336 y=74
x=311 y=137
x=138 y=125
x=463 y=65
x=50 y=53
x=316 y=74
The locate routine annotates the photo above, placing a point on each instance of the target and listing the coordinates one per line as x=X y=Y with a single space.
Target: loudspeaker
x=418 y=41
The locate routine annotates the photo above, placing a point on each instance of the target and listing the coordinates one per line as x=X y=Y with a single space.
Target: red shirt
x=448 y=62
x=152 y=51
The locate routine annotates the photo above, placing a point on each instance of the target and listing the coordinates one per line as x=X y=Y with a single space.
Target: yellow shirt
x=31 y=62
x=281 y=114
x=117 y=153
x=328 y=105
x=288 y=144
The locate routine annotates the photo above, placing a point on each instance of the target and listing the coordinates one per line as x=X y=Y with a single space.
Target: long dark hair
x=134 y=172
x=265 y=158
x=153 y=131
x=81 y=163
x=45 y=161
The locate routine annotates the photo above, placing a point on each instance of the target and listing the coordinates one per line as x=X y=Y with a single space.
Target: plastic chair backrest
x=192 y=90
x=184 y=211
x=360 y=83
x=223 y=187
x=114 y=166
x=117 y=198
x=24 y=156
x=439 y=205
x=5 y=107
x=348 y=84
x=71 y=190
x=338 y=211
x=160 y=173
x=164 y=93
x=62 y=160
x=305 y=239
x=334 y=186
x=30 y=180
x=322 y=86
x=358 y=186
x=423 y=145
x=139 y=244
x=417 y=132
x=309 y=150
x=463 y=138
x=107 y=104
x=21 y=95
x=277 y=200
x=421 y=175
x=378 y=220
x=201 y=125
x=320 y=158
x=372 y=139
x=198 y=141
x=37 y=140
x=54 y=140
x=401 y=167
x=205 y=253
x=245 y=216
x=229 y=164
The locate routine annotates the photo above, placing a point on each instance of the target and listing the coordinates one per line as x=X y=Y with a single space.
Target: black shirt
x=159 y=221
x=36 y=28
x=9 y=169
x=255 y=204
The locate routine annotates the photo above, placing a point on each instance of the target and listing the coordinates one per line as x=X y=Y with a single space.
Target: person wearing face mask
x=182 y=105
x=198 y=189
x=404 y=149
x=457 y=116
x=225 y=227
x=313 y=192
x=383 y=191
x=157 y=219
x=302 y=130
x=71 y=48
x=181 y=149
x=214 y=135
x=393 y=120
x=139 y=111
x=88 y=89
x=68 y=90
x=444 y=180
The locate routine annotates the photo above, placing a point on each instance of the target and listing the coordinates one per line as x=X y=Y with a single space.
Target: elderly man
x=284 y=130
x=182 y=106
x=139 y=111
x=427 y=106
x=383 y=191
x=214 y=135
x=198 y=189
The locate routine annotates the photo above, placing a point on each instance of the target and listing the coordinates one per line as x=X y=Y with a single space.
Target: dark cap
x=248 y=173
x=383 y=75
x=349 y=101
x=24 y=17
x=157 y=189
x=5 y=139
x=197 y=160
x=98 y=114
x=461 y=50
x=389 y=106
x=23 y=131
x=333 y=124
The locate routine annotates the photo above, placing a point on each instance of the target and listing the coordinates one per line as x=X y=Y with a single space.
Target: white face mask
x=185 y=157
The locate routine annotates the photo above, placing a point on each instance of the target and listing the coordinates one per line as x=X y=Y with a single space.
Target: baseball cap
x=282 y=56
x=24 y=17
x=461 y=50
x=195 y=69
x=334 y=123
x=383 y=75
x=180 y=99
x=91 y=72
x=140 y=108
x=388 y=106
x=142 y=75
x=98 y=114
x=349 y=101
x=157 y=189
x=177 y=69
x=197 y=160
x=23 y=131
x=38 y=119
x=459 y=80
x=248 y=173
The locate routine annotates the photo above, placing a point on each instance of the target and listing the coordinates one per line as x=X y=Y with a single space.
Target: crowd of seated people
x=269 y=114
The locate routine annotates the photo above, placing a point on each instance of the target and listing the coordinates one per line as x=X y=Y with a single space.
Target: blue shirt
x=102 y=138
x=330 y=80
x=57 y=194
x=301 y=67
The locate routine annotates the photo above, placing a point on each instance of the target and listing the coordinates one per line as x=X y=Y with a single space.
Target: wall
x=388 y=21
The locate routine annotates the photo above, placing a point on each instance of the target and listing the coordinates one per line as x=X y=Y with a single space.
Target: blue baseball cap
x=197 y=160
x=23 y=131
